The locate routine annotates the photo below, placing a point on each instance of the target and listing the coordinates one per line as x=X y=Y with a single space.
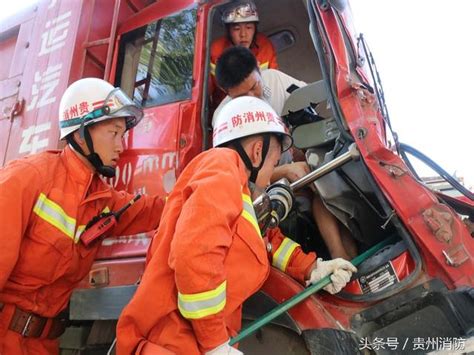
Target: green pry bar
x=282 y=308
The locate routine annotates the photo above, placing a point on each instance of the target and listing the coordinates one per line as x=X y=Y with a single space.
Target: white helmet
x=91 y=100
x=247 y=116
x=240 y=11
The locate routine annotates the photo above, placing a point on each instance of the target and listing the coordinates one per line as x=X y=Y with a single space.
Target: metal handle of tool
x=273 y=206
x=351 y=154
x=282 y=308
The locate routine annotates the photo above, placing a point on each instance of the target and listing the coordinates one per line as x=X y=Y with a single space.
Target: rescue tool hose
x=445 y=175
x=282 y=308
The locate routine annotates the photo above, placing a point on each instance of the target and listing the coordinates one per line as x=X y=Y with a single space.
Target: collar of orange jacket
x=83 y=175
x=78 y=169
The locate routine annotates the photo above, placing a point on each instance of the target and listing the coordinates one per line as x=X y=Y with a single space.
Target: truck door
x=157 y=63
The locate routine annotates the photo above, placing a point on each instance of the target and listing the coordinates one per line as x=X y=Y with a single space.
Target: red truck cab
x=420 y=286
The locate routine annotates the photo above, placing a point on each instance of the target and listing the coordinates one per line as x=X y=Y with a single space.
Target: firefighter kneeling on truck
x=46 y=202
x=208 y=255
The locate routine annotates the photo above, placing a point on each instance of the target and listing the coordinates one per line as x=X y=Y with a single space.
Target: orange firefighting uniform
x=206 y=259
x=263 y=50
x=45 y=202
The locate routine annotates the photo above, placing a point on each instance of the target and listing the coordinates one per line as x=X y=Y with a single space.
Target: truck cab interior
x=349 y=192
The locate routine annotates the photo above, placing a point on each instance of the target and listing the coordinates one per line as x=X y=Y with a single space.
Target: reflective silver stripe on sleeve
x=249 y=213
x=52 y=213
x=199 y=305
x=283 y=253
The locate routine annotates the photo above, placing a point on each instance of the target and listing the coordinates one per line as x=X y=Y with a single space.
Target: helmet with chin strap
x=89 y=101
x=248 y=116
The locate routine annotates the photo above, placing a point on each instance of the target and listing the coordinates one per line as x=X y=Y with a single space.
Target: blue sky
x=425 y=55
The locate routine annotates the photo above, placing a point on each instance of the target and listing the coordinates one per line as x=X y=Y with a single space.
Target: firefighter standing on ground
x=46 y=200
x=208 y=255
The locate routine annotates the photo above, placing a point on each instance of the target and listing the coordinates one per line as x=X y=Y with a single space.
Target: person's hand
x=292 y=171
x=341 y=273
x=224 y=349
x=297 y=170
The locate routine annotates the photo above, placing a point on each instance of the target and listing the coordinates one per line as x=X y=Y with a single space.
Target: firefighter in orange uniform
x=208 y=255
x=240 y=20
x=47 y=199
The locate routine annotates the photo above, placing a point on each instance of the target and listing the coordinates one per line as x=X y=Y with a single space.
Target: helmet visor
x=118 y=104
x=240 y=13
